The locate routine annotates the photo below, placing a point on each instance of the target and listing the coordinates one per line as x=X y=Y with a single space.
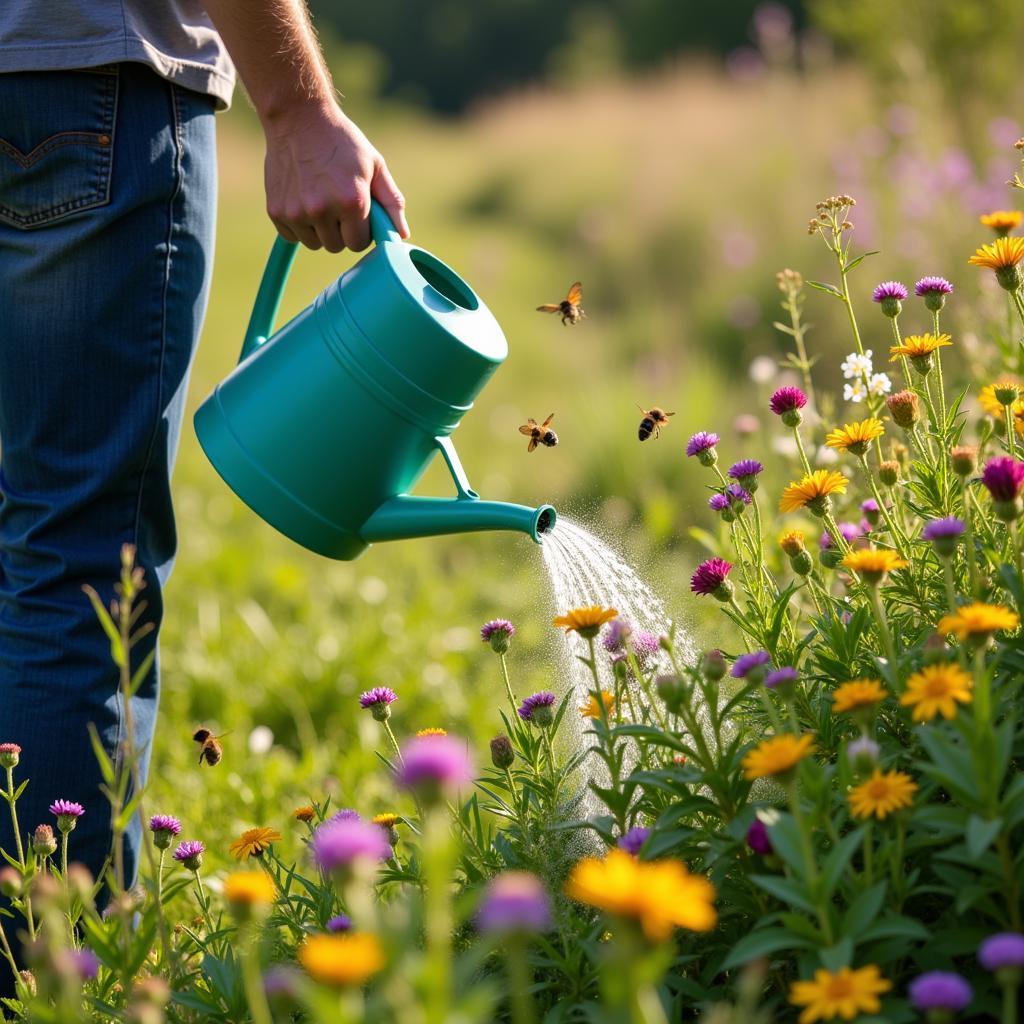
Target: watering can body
x=325 y=425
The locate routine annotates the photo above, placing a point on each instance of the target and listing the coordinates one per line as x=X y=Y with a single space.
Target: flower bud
x=713 y=666
x=502 y=754
x=10 y=754
x=923 y=363
x=708 y=457
x=792 y=418
x=724 y=591
x=43 y=842
x=802 y=563
x=10 y=882
x=758 y=839
x=936 y=650
x=820 y=506
x=672 y=690
x=889 y=473
x=27 y=980
x=905 y=409
x=1009 y=278
x=830 y=558
x=891 y=307
x=863 y=754
x=1008 y=511
x=792 y=543
x=964 y=458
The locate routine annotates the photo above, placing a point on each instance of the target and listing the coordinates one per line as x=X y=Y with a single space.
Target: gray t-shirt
x=174 y=37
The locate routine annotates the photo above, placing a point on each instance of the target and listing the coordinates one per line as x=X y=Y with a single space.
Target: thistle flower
x=940 y=994
x=936 y=690
x=645 y=647
x=254 y=842
x=1004 y=477
x=338 y=845
x=435 y=766
x=753 y=666
x=345 y=814
x=964 y=459
x=844 y=993
x=514 y=902
x=537 y=709
x=978 y=621
x=882 y=794
x=919 y=349
x=68 y=812
x=786 y=403
x=718 y=502
x=502 y=753
x=1003 y=951
x=889 y=295
x=377 y=701
x=632 y=842
x=855 y=437
x=672 y=690
x=889 y=472
x=164 y=828
x=712 y=577
x=342 y=960
x=814 y=492
x=1002 y=256
x=338 y=923
x=944 y=534
x=44 y=844
x=10 y=754
x=737 y=497
x=497 y=633
x=776 y=756
x=782 y=679
x=84 y=962
x=873 y=564
x=745 y=473
x=758 y=839
x=190 y=854
x=863 y=753
x=905 y=408
x=871 y=512
x=619 y=629
x=702 y=445
x=934 y=291
x=712 y=665
x=1002 y=222
x=587 y=622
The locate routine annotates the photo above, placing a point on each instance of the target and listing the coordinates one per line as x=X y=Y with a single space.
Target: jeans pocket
x=56 y=143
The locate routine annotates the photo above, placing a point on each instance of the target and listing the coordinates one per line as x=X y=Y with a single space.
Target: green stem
x=868 y=857
x=972 y=564
x=810 y=865
x=5 y=946
x=391 y=737
x=883 y=624
x=947 y=575
x=204 y=903
x=896 y=867
x=800 y=450
x=519 y=981
x=508 y=685
x=160 y=878
x=1010 y=1003
x=438 y=910
x=1010 y=440
x=252 y=980
x=982 y=690
x=1010 y=877
x=11 y=802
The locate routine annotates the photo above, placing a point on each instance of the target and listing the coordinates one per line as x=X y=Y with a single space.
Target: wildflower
x=249 y=888
x=758 y=839
x=164 y=828
x=661 y=895
x=889 y=295
x=84 y=962
x=792 y=543
x=776 y=756
x=873 y=564
x=845 y=993
x=752 y=666
x=855 y=392
x=905 y=409
x=1002 y=222
x=619 y=629
x=378 y=702
x=342 y=960
x=863 y=754
x=889 y=472
x=345 y=814
x=514 y=902
x=964 y=459
x=672 y=690
x=879 y=384
x=1003 y=951
x=855 y=437
x=978 y=621
x=1004 y=477
x=1002 y=256
x=502 y=754
x=944 y=535
x=337 y=845
x=305 y=814
x=702 y=444
x=593 y=710
x=43 y=842
x=10 y=882
x=745 y=473
x=338 y=923
x=711 y=577
x=497 y=633
x=940 y=994
x=431 y=731
x=934 y=291
x=644 y=646
x=253 y=842
x=737 y=497
x=712 y=665
x=190 y=854
x=882 y=794
x=857 y=365
x=858 y=694
x=434 y=766
x=814 y=492
x=68 y=812
x=991 y=397
x=871 y=512
x=585 y=621
x=935 y=690
x=10 y=754
x=919 y=349
x=633 y=840
x=782 y=679
x=388 y=822
x=537 y=709
x=786 y=403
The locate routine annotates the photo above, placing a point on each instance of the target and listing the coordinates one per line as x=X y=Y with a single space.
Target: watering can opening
x=444 y=280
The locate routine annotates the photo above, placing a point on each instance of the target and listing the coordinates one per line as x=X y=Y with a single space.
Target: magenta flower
x=165 y=823
x=378 y=695
x=932 y=286
x=66 y=808
x=339 y=923
x=85 y=963
x=850 y=532
x=1004 y=949
x=434 y=765
x=718 y=503
x=514 y=901
x=701 y=442
x=190 y=853
x=10 y=753
x=710 y=576
x=345 y=814
x=754 y=662
x=537 y=708
x=758 y=839
x=787 y=399
x=1003 y=476
x=645 y=646
x=940 y=990
x=497 y=633
x=889 y=290
x=616 y=633
x=737 y=495
x=339 y=844
x=633 y=840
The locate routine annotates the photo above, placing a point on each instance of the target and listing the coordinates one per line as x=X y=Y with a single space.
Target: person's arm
x=320 y=168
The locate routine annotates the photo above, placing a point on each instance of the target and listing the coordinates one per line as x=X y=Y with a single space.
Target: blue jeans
x=107 y=205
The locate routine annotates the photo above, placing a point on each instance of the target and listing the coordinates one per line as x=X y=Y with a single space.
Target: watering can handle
x=282 y=256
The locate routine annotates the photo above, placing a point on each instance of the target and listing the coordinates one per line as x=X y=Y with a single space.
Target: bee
x=210 y=749
x=569 y=307
x=652 y=422
x=539 y=434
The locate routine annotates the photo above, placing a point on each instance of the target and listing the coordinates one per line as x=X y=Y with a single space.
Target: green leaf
x=106 y=766
x=864 y=910
x=981 y=834
x=116 y=647
x=860 y=259
x=837 y=861
x=762 y=943
x=788 y=890
x=838 y=956
x=822 y=287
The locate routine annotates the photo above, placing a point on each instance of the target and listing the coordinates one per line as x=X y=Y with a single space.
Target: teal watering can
x=325 y=425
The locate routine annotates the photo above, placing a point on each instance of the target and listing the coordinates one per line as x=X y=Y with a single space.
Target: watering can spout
x=405 y=516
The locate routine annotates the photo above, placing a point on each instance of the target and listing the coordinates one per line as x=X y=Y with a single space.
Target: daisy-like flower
x=190 y=854
x=882 y=794
x=814 y=492
x=857 y=365
x=879 y=384
x=431 y=731
x=253 y=842
x=919 y=349
x=1002 y=256
x=305 y=814
x=990 y=398
x=873 y=564
x=858 y=694
x=855 y=437
x=855 y=392
x=342 y=960
x=538 y=708
x=792 y=542
x=661 y=895
x=68 y=812
x=935 y=690
x=846 y=993
x=702 y=445
x=585 y=621
x=497 y=633
x=712 y=577
x=978 y=621
x=776 y=756
x=593 y=710
x=889 y=295
x=249 y=888
x=1002 y=222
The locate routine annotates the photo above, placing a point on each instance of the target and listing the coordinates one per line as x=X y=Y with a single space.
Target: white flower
x=855 y=392
x=879 y=385
x=857 y=365
x=763 y=369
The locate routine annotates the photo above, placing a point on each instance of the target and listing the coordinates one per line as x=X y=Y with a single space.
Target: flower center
x=839 y=988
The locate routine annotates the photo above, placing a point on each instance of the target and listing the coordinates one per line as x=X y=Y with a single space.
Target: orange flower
x=254 y=842
x=585 y=621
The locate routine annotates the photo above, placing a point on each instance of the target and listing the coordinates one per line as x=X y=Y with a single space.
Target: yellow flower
x=777 y=755
x=935 y=690
x=342 y=959
x=661 y=895
x=431 y=732
x=247 y=888
x=593 y=710
x=856 y=694
x=792 y=542
x=855 y=437
x=1001 y=221
x=978 y=620
x=882 y=794
x=253 y=842
x=994 y=408
x=846 y=993
x=873 y=563
x=305 y=813
x=386 y=820
x=813 y=490
x=916 y=346
x=1001 y=254
x=585 y=621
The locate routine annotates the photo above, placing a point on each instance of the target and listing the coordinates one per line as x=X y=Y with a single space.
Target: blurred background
x=669 y=154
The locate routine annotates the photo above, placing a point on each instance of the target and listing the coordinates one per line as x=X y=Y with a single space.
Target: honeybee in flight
x=210 y=749
x=539 y=434
x=569 y=307
x=654 y=419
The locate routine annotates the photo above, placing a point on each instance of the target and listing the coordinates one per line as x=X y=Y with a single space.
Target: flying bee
x=539 y=433
x=210 y=749
x=652 y=422
x=569 y=307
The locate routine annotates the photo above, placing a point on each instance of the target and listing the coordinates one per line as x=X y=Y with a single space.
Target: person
x=107 y=205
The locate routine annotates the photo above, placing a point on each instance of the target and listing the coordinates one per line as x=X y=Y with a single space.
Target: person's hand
x=320 y=173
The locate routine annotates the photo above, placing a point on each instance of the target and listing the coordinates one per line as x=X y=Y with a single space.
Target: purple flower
x=943 y=529
x=745 y=663
x=869 y=506
x=190 y=853
x=701 y=442
x=339 y=923
x=940 y=990
x=515 y=901
x=787 y=399
x=633 y=840
x=68 y=812
x=377 y=696
x=345 y=814
x=718 y=503
x=85 y=963
x=709 y=576
x=737 y=494
x=758 y=839
x=644 y=646
x=165 y=823
x=781 y=677
x=434 y=764
x=339 y=844
x=1004 y=949
x=850 y=532
x=616 y=632
x=1003 y=476
x=497 y=633
x=889 y=290
x=537 y=708
x=745 y=468
x=932 y=286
